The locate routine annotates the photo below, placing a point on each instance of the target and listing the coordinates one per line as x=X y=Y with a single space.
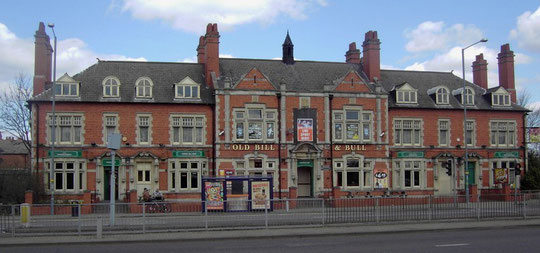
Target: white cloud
x=527 y=32
x=451 y=60
x=434 y=36
x=193 y=15
x=18 y=56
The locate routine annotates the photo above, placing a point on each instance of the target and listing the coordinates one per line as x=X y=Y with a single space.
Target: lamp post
x=53 y=128
x=465 y=101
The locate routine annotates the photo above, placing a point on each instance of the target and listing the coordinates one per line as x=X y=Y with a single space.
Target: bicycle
x=158 y=206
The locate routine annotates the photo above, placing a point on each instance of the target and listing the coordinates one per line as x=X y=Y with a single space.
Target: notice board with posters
x=229 y=194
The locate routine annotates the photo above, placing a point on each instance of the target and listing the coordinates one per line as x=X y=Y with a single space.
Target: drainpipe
x=331 y=97
x=36 y=125
x=525 y=144
x=278 y=95
x=214 y=136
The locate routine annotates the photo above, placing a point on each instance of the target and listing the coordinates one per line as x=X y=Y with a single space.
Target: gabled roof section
x=498 y=90
x=163 y=75
x=303 y=76
x=351 y=82
x=254 y=80
x=66 y=79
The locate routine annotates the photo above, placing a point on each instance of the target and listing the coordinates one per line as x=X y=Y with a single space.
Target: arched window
x=111 y=87
x=144 y=87
x=468 y=97
x=442 y=96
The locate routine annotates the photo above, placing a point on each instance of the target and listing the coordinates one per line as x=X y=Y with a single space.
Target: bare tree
x=14 y=112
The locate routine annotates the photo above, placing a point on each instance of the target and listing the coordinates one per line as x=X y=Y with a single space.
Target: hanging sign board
x=305 y=129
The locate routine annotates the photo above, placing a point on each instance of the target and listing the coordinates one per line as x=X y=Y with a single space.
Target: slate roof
x=302 y=76
x=162 y=74
x=425 y=80
x=12 y=147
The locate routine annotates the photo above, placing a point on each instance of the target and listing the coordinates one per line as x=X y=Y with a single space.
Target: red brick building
x=319 y=129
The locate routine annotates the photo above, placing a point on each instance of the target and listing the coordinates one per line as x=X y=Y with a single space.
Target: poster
x=501 y=176
x=305 y=129
x=381 y=178
x=214 y=195
x=260 y=194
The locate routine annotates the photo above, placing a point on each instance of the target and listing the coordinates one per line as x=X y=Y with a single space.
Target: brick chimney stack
x=372 y=56
x=42 y=60
x=211 y=52
x=506 y=70
x=200 y=50
x=353 y=55
x=480 y=74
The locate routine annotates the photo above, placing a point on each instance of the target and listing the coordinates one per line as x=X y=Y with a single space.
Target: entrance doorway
x=444 y=183
x=472 y=176
x=107 y=185
x=304 y=182
x=144 y=178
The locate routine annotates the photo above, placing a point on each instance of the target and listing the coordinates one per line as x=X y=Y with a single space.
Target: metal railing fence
x=193 y=215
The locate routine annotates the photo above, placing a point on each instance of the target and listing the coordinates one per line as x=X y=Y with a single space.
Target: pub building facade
x=317 y=129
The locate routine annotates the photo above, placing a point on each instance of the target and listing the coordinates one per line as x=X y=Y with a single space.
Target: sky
x=415 y=34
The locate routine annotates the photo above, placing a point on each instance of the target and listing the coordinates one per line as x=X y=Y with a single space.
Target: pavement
x=327 y=230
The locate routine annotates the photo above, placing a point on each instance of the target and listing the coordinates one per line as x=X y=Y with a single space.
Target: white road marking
x=452 y=245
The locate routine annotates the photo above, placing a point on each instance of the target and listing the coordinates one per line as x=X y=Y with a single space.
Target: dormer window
x=111 y=87
x=144 y=87
x=442 y=96
x=187 y=88
x=406 y=94
x=67 y=89
x=468 y=97
x=500 y=99
x=66 y=86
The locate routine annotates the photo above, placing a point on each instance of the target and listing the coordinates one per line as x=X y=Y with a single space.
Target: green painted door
x=472 y=177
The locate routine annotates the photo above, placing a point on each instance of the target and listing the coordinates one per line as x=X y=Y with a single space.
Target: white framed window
x=353 y=125
x=144 y=87
x=470 y=135
x=468 y=97
x=509 y=164
x=406 y=94
x=68 y=128
x=442 y=96
x=444 y=132
x=110 y=125
x=144 y=129
x=187 y=88
x=186 y=174
x=503 y=133
x=352 y=172
x=500 y=99
x=66 y=89
x=69 y=175
x=188 y=129
x=111 y=87
x=255 y=124
x=410 y=173
x=408 y=132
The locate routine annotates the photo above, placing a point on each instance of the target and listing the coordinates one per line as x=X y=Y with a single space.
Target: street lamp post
x=53 y=128
x=465 y=101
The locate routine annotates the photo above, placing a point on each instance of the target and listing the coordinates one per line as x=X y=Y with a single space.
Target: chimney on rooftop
x=479 y=67
x=372 y=56
x=506 y=70
x=210 y=53
x=353 y=55
x=42 y=60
